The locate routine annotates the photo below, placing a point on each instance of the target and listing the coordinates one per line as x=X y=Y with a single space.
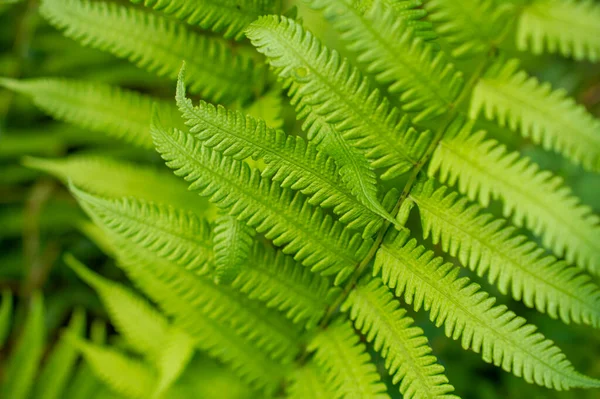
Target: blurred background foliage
x=39 y=220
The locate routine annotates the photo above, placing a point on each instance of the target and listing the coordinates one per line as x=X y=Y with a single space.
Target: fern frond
x=407 y=354
x=356 y=171
x=60 y=364
x=286 y=218
x=290 y=160
x=278 y=280
x=346 y=364
x=469 y=314
x=548 y=117
x=537 y=199
x=174 y=357
x=568 y=27
x=229 y=17
x=513 y=263
x=425 y=80
x=123 y=374
x=472 y=27
x=173 y=243
x=307 y=383
x=158 y=45
x=118 y=113
x=178 y=236
x=143 y=327
x=232 y=244
x=6 y=311
x=326 y=88
x=22 y=365
x=127 y=179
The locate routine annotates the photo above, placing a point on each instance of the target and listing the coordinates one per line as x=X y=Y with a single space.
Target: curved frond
x=514 y=264
x=274 y=278
x=142 y=326
x=178 y=236
x=119 y=113
x=232 y=244
x=123 y=374
x=425 y=80
x=127 y=179
x=469 y=315
x=535 y=198
x=568 y=27
x=158 y=45
x=229 y=17
x=377 y=314
x=22 y=364
x=286 y=218
x=61 y=362
x=549 y=117
x=323 y=83
x=347 y=366
x=291 y=161
x=472 y=27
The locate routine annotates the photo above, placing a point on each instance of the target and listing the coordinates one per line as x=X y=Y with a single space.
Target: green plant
x=311 y=241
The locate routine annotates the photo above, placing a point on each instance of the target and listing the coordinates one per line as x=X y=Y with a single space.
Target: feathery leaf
x=232 y=243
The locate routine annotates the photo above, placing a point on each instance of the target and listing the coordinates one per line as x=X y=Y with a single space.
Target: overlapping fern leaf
x=535 y=198
x=157 y=44
x=232 y=245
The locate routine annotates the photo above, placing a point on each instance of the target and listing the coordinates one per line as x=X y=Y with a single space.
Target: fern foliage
x=232 y=244
x=549 y=117
x=535 y=198
x=469 y=315
x=489 y=246
x=568 y=27
x=157 y=44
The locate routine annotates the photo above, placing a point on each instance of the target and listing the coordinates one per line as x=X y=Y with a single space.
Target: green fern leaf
x=283 y=52
x=174 y=357
x=232 y=243
x=123 y=374
x=548 y=117
x=57 y=370
x=6 y=310
x=22 y=365
x=143 y=327
x=290 y=160
x=173 y=243
x=469 y=314
x=158 y=45
x=568 y=27
x=127 y=179
x=307 y=383
x=346 y=364
x=287 y=219
x=229 y=17
x=408 y=357
x=177 y=236
x=346 y=100
x=472 y=27
x=278 y=280
x=537 y=199
x=118 y=113
x=510 y=261
x=423 y=78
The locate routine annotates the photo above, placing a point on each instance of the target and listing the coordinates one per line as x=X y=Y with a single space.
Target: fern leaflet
x=469 y=314
x=537 y=199
x=232 y=244
x=346 y=364
x=511 y=261
x=307 y=383
x=548 y=117
x=376 y=314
